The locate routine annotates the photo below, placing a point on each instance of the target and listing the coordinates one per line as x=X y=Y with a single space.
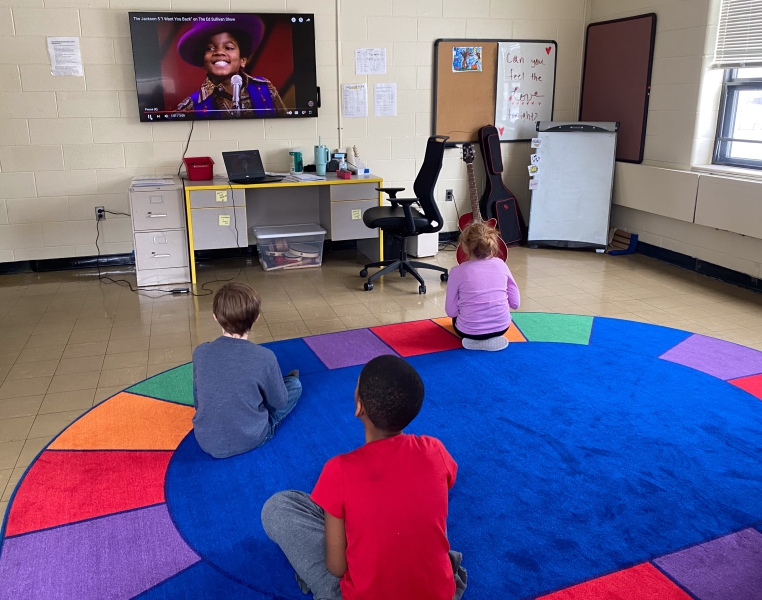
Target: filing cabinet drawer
x=354 y=191
x=157 y=210
x=215 y=228
x=346 y=221
x=161 y=249
x=217 y=198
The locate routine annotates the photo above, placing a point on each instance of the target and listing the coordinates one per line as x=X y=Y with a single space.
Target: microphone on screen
x=237 y=82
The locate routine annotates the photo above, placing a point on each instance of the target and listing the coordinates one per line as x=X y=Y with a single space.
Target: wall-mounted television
x=224 y=66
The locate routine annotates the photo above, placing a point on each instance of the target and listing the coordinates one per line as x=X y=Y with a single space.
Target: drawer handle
x=155 y=216
x=160 y=255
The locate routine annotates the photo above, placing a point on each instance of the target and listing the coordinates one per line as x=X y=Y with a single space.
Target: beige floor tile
x=73 y=382
x=20 y=407
x=4 y=370
x=348 y=310
x=126 y=333
x=359 y=321
x=31 y=370
x=282 y=316
x=31 y=448
x=19 y=388
x=152 y=370
x=179 y=355
x=47 y=339
x=67 y=401
x=171 y=340
x=54 y=327
x=49 y=425
x=85 y=364
x=12 y=430
x=88 y=323
x=8 y=358
x=9 y=453
x=291 y=329
x=124 y=377
x=125 y=359
x=317 y=314
x=5 y=476
x=128 y=345
x=89 y=335
x=85 y=349
x=104 y=393
x=320 y=326
x=180 y=326
x=40 y=354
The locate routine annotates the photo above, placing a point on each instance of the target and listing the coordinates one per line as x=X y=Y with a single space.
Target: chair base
x=404 y=266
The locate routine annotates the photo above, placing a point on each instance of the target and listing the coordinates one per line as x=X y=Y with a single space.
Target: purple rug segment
x=728 y=568
x=347 y=348
x=114 y=557
x=722 y=359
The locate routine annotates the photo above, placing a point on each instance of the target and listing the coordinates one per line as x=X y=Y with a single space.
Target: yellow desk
x=221 y=214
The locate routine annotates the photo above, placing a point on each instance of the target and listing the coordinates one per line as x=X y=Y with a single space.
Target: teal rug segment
x=175 y=385
x=549 y=327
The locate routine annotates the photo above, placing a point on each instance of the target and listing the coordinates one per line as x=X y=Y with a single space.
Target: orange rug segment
x=128 y=422
x=512 y=335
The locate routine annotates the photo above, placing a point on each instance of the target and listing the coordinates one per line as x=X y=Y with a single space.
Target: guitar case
x=498 y=202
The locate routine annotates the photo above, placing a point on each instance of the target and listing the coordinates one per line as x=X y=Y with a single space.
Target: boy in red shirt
x=375 y=526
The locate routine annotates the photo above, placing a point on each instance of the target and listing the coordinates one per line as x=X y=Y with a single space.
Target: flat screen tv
x=224 y=66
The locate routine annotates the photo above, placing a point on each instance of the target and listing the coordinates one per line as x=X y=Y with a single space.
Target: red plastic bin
x=199 y=168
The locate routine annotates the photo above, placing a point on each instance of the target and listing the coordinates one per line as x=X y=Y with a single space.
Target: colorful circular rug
x=598 y=458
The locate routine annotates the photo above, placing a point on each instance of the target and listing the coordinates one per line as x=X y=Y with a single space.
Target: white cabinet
x=160 y=234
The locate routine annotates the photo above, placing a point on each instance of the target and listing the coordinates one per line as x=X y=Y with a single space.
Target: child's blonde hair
x=480 y=240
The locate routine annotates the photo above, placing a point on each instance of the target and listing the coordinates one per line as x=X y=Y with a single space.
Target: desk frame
x=189 y=187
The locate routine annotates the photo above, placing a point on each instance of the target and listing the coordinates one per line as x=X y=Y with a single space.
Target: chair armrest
x=391 y=191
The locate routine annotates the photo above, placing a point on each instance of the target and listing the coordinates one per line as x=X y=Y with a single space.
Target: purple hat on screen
x=246 y=29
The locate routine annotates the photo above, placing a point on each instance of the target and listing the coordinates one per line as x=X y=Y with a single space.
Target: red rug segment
x=752 y=384
x=65 y=487
x=418 y=337
x=641 y=582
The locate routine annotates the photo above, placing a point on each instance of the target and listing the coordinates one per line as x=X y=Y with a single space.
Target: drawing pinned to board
x=534 y=184
x=533 y=170
x=536 y=143
x=536 y=159
x=466 y=59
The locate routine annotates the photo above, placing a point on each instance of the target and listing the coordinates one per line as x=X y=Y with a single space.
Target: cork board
x=463 y=102
x=513 y=89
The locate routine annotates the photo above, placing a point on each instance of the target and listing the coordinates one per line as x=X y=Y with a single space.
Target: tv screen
x=224 y=66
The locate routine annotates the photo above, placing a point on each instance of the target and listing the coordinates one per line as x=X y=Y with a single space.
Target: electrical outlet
x=100 y=213
x=449 y=196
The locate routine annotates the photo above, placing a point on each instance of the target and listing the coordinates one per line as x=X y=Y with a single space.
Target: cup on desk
x=321 y=159
x=297 y=166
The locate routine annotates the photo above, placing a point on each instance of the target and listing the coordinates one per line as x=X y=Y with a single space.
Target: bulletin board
x=616 y=81
x=508 y=83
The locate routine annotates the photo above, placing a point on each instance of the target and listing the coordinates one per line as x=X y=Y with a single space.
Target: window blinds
x=739 y=35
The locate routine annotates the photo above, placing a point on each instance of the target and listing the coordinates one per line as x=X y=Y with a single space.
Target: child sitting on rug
x=481 y=291
x=375 y=526
x=239 y=392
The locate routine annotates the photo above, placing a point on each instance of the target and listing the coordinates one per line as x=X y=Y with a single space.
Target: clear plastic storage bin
x=290 y=246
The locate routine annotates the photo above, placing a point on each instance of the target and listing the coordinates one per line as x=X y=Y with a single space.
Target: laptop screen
x=244 y=164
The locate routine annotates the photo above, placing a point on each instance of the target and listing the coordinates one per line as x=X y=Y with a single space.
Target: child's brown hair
x=236 y=306
x=480 y=240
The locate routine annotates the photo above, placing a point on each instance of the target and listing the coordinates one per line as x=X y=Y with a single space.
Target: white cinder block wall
x=682 y=119
x=68 y=144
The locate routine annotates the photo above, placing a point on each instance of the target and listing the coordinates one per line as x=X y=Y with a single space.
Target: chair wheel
x=421 y=289
x=403 y=273
x=364 y=273
x=368 y=286
x=444 y=277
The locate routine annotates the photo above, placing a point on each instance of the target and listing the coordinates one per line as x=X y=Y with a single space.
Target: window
x=739 y=129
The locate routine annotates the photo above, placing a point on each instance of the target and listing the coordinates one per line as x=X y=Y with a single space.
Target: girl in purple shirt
x=481 y=292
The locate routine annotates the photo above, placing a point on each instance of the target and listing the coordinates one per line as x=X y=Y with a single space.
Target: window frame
x=731 y=86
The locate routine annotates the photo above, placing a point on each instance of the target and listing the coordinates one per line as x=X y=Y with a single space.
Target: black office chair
x=401 y=220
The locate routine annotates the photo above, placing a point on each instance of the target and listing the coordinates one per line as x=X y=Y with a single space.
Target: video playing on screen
x=224 y=66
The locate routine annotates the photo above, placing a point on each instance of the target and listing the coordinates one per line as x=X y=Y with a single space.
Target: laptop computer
x=245 y=166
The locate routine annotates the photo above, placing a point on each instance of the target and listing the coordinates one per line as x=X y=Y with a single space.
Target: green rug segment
x=548 y=327
x=175 y=385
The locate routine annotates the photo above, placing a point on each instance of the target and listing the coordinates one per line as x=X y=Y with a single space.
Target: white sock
x=490 y=344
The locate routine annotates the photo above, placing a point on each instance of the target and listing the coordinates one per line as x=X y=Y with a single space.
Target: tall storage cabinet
x=160 y=234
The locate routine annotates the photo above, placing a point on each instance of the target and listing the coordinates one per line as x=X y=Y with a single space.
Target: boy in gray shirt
x=238 y=390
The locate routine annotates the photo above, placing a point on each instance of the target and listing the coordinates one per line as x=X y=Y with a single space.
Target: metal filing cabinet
x=160 y=234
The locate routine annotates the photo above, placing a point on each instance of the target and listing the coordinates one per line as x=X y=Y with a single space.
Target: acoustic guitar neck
x=468 y=158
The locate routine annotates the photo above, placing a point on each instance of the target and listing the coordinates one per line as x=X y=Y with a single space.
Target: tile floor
x=68 y=342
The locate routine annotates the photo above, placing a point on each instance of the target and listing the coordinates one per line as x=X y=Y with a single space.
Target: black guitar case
x=498 y=202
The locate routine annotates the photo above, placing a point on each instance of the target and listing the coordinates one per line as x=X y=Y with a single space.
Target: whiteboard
x=526 y=78
x=572 y=202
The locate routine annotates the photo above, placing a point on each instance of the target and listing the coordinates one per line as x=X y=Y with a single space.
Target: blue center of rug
x=574 y=461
